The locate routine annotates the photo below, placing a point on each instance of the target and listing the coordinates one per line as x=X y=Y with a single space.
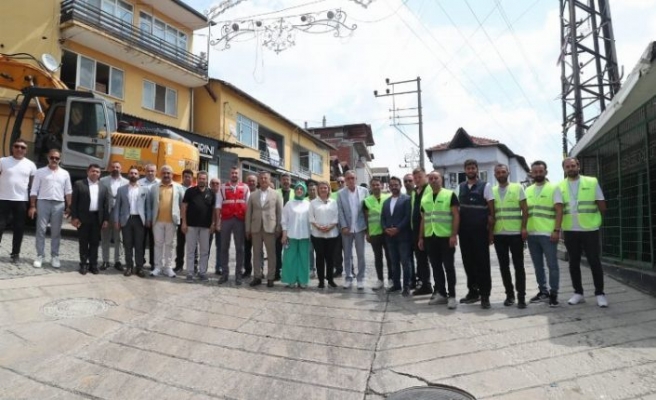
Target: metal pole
x=421 y=125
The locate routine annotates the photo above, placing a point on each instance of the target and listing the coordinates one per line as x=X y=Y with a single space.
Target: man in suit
x=112 y=234
x=395 y=220
x=263 y=215
x=353 y=227
x=89 y=213
x=163 y=215
x=129 y=214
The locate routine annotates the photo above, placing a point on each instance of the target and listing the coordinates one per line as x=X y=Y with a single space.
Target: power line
x=271 y=12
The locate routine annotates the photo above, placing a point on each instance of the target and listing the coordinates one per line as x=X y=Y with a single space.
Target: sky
x=488 y=66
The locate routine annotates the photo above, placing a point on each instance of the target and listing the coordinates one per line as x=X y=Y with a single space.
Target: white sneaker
x=437 y=299
x=348 y=284
x=601 y=301
x=379 y=285
x=360 y=285
x=576 y=299
x=169 y=272
x=453 y=304
x=38 y=261
x=156 y=272
x=390 y=283
x=55 y=262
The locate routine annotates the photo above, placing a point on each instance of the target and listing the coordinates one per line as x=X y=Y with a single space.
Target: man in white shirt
x=112 y=234
x=51 y=192
x=147 y=181
x=16 y=174
x=353 y=228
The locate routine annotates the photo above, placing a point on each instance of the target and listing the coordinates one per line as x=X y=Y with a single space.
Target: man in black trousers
x=89 y=213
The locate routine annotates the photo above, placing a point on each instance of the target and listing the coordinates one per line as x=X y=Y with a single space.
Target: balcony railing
x=275 y=162
x=80 y=11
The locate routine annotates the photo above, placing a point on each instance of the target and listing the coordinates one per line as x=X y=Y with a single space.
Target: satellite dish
x=49 y=62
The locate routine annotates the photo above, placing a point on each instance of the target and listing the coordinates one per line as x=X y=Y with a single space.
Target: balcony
x=97 y=29
x=273 y=161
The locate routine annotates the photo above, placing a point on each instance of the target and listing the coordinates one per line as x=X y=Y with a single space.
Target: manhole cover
x=76 y=308
x=437 y=392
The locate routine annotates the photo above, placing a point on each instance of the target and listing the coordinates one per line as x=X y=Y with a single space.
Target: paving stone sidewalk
x=68 y=336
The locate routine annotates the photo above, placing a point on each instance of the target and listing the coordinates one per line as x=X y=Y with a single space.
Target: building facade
x=448 y=158
x=263 y=138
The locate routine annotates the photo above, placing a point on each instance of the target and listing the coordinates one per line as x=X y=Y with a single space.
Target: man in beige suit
x=263 y=214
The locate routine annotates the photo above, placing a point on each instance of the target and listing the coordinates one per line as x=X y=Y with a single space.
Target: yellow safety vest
x=507 y=212
x=437 y=213
x=374 y=211
x=541 y=212
x=587 y=212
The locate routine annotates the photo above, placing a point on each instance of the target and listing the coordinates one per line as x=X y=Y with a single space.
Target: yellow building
x=269 y=141
x=135 y=54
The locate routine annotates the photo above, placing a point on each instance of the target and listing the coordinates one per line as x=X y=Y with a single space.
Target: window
x=304 y=160
x=309 y=162
x=453 y=180
x=316 y=164
x=247 y=131
x=159 y=98
x=118 y=9
x=482 y=175
x=80 y=71
x=86 y=119
x=161 y=30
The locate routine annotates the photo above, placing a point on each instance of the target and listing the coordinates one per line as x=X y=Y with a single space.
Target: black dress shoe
x=485 y=303
x=177 y=269
x=140 y=272
x=269 y=283
x=277 y=277
x=424 y=289
x=471 y=298
x=521 y=302
x=103 y=266
x=406 y=292
x=332 y=284
x=94 y=269
x=321 y=285
x=118 y=266
x=127 y=271
x=217 y=272
x=509 y=301
x=246 y=274
x=256 y=282
x=223 y=279
x=83 y=269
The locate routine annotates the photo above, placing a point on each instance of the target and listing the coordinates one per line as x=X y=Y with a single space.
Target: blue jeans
x=541 y=247
x=400 y=256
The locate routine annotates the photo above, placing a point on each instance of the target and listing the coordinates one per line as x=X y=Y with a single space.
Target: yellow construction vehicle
x=81 y=124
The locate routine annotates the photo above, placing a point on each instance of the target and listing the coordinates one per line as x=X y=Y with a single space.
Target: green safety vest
x=334 y=195
x=587 y=212
x=374 y=211
x=541 y=212
x=437 y=213
x=507 y=212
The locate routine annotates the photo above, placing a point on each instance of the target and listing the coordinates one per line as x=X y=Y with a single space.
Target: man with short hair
x=353 y=227
x=215 y=237
x=409 y=186
x=180 y=240
x=311 y=195
x=164 y=216
x=286 y=193
x=395 y=222
x=147 y=181
x=440 y=220
x=423 y=269
x=476 y=223
x=130 y=215
x=373 y=207
x=50 y=200
x=89 y=214
x=583 y=209
x=511 y=216
x=16 y=175
x=230 y=220
x=545 y=215
x=112 y=234
x=251 y=182
x=338 y=251
x=197 y=221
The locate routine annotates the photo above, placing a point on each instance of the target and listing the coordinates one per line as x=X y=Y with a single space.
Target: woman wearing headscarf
x=296 y=239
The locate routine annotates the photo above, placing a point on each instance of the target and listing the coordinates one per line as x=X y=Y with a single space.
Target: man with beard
x=545 y=215
x=180 y=237
x=510 y=233
x=476 y=224
x=197 y=221
x=409 y=186
x=129 y=214
x=215 y=237
x=338 y=251
x=353 y=226
x=373 y=207
x=423 y=272
x=312 y=194
x=284 y=191
x=395 y=223
x=251 y=182
x=583 y=207
x=112 y=234
x=147 y=181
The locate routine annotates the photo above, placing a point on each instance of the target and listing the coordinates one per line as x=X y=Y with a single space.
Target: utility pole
x=419 y=115
x=590 y=76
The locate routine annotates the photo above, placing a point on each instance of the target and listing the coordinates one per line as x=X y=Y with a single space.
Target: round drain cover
x=76 y=308
x=437 y=392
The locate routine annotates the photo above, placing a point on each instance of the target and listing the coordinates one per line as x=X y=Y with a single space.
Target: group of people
x=312 y=231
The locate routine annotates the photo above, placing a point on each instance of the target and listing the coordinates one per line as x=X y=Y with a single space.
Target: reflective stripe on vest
x=437 y=213
x=587 y=212
x=507 y=212
x=541 y=212
x=374 y=210
x=234 y=202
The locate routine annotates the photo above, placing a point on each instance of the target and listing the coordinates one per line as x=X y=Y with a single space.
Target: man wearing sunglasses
x=16 y=174
x=50 y=194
